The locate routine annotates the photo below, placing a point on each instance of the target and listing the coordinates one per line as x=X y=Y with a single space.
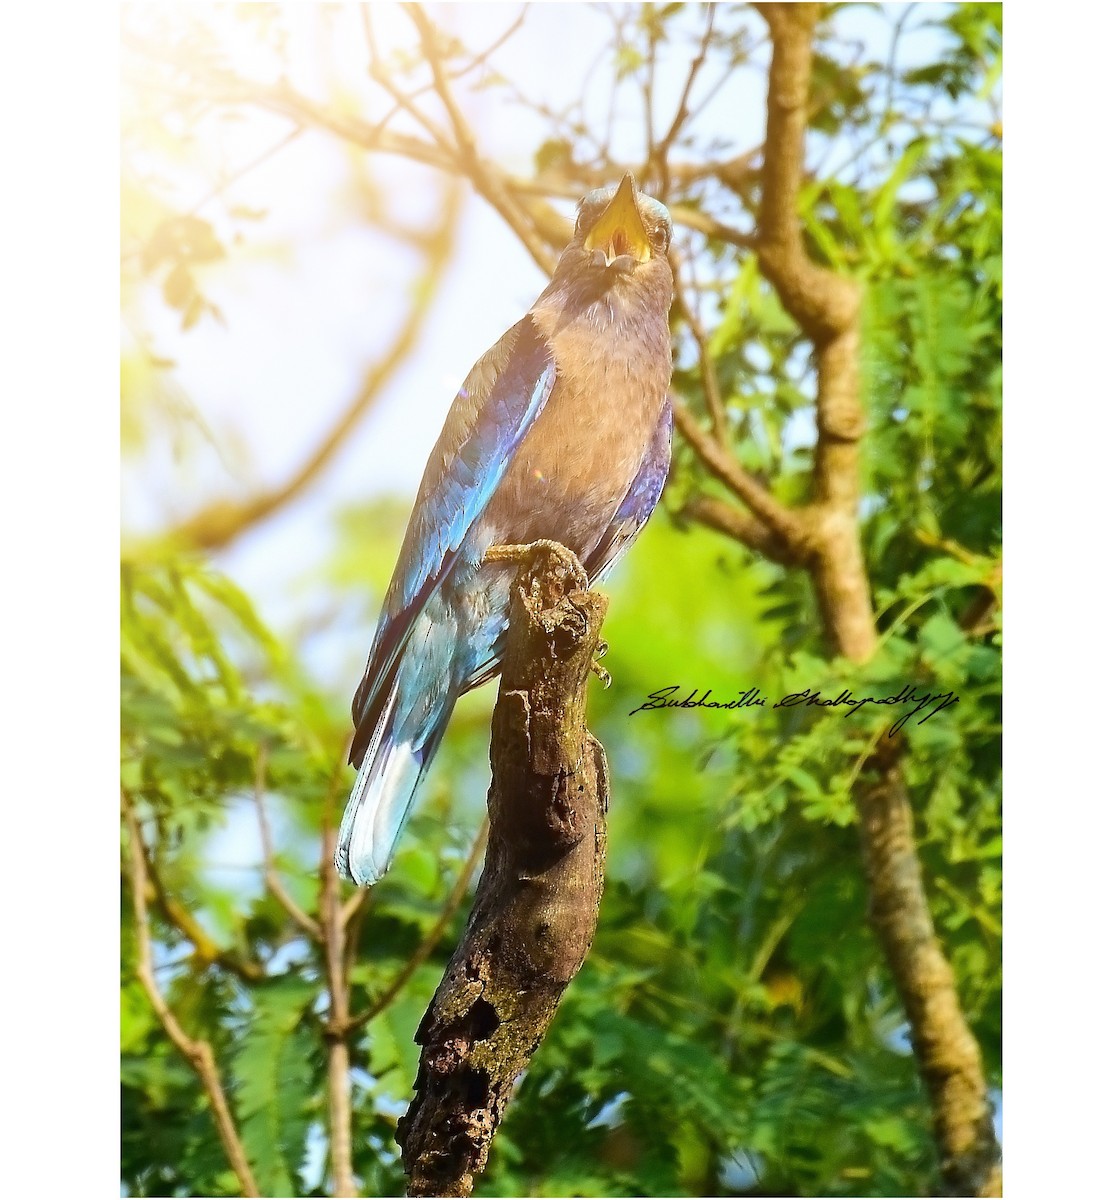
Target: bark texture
x=827 y=307
x=539 y=894
x=947 y=1052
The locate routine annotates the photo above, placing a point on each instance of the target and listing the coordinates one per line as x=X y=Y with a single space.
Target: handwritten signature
x=752 y=698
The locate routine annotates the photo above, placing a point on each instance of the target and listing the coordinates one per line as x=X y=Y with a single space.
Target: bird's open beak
x=620 y=228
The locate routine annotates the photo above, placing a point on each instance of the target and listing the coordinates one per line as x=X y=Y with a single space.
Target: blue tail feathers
x=410 y=718
x=383 y=794
x=402 y=720
x=377 y=808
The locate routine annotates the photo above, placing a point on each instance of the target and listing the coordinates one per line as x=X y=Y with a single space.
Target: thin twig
x=197 y=1052
x=478 y=59
x=355 y=904
x=429 y=943
x=224 y=184
x=714 y=401
x=661 y=152
x=222 y=521
x=648 y=96
x=205 y=949
x=487 y=180
x=270 y=875
x=402 y=100
x=339 y=1095
x=352 y=916
x=429 y=37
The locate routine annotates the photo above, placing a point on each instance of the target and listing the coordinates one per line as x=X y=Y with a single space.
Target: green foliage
x=735 y=1030
x=273 y=1069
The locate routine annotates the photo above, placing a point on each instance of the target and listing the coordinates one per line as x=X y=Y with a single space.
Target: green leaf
x=275 y=1086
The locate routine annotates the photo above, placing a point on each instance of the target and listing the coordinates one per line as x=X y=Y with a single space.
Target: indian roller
x=561 y=432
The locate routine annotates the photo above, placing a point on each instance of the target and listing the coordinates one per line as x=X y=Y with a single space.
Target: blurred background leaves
x=735 y=1030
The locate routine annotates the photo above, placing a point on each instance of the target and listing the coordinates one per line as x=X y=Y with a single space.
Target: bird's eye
x=660 y=236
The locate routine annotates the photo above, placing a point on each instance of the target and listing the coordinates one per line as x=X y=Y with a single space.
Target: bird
x=560 y=432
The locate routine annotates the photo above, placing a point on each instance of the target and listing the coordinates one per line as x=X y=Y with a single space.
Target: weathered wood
x=536 y=905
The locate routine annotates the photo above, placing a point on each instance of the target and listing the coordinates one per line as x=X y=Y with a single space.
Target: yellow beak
x=620 y=228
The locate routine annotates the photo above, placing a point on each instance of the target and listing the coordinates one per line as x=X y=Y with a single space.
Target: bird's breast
x=579 y=458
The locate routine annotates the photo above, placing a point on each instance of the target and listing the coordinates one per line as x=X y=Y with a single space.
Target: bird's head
x=621 y=241
x=620 y=228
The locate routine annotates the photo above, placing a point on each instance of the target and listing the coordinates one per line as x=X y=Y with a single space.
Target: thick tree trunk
x=826 y=305
x=536 y=905
x=947 y=1052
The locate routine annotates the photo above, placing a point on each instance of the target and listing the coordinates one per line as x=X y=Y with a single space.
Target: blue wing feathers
x=632 y=514
x=497 y=404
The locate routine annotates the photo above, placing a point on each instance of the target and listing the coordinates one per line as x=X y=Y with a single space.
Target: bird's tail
x=382 y=796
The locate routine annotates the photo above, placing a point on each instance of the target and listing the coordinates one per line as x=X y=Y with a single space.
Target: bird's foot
x=601 y=648
x=601 y=674
x=524 y=553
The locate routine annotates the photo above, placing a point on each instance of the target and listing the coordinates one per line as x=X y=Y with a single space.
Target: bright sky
x=302 y=326
x=310 y=300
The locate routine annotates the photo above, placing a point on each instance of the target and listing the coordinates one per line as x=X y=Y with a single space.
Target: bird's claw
x=601 y=648
x=601 y=674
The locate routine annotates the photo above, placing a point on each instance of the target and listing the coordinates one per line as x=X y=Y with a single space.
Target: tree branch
x=429 y=943
x=339 y=1095
x=826 y=305
x=488 y=180
x=783 y=522
x=221 y=522
x=270 y=875
x=198 y=1053
x=519 y=201
x=742 y=527
x=827 y=308
x=536 y=905
x=205 y=949
x=660 y=153
x=714 y=402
